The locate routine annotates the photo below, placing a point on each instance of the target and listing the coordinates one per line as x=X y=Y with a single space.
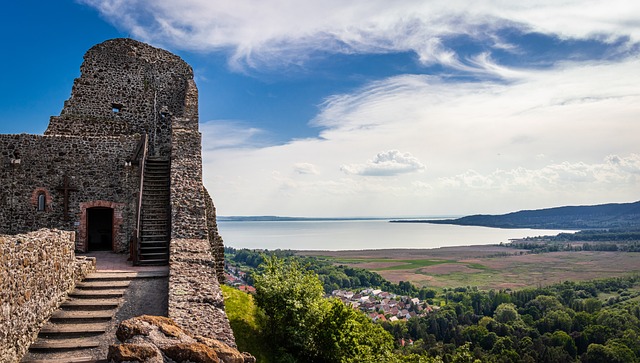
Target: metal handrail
x=143 y=163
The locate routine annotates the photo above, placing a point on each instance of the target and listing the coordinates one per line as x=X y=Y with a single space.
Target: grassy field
x=487 y=267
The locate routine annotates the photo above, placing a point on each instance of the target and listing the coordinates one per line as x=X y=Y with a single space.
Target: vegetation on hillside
x=332 y=276
x=593 y=321
x=243 y=315
x=604 y=216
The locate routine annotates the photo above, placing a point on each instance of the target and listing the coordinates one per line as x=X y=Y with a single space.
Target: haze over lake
x=362 y=234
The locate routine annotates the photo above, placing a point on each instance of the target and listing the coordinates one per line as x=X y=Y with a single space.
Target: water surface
x=362 y=234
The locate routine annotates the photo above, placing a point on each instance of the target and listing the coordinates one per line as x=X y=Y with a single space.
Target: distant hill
x=619 y=216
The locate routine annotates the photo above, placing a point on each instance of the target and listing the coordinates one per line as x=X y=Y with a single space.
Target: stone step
x=87 y=359
x=73 y=329
x=91 y=304
x=154 y=262
x=161 y=228
x=96 y=294
x=103 y=285
x=154 y=236
x=154 y=255
x=71 y=316
x=66 y=344
x=153 y=248
x=162 y=236
x=110 y=276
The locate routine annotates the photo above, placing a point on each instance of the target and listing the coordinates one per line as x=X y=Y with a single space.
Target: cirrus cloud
x=272 y=33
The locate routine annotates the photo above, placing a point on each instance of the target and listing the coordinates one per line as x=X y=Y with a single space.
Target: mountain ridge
x=600 y=216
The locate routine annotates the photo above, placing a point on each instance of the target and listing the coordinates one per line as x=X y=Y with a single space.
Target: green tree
x=347 y=335
x=292 y=302
x=506 y=313
x=302 y=326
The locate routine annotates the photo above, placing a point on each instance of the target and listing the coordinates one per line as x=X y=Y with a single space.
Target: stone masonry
x=37 y=270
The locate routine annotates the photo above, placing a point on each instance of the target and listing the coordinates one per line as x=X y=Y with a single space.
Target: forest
x=592 y=321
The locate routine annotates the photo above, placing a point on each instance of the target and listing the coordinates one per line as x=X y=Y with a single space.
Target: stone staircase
x=81 y=320
x=84 y=325
x=155 y=230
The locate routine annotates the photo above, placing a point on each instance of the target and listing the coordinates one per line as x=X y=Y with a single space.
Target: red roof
x=247 y=288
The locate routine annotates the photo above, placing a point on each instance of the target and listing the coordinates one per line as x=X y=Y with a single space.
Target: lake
x=362 y=234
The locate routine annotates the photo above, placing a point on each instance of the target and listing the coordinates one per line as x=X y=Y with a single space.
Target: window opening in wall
x=116 y=107
x=42 y=198
x=100 y=229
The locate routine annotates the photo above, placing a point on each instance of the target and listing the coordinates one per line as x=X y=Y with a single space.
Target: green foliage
x=506 y=313
x=347 y=335
x=243 y=316
x=302 y=326
x=291 y=299
x=531 y=325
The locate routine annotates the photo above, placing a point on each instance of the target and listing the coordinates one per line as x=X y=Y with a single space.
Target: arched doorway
x=100 y=229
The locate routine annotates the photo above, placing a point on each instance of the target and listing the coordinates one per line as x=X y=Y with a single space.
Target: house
x=247 y=288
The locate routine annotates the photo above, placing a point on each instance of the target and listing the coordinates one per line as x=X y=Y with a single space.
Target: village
x=380 y=306
x=384 y=306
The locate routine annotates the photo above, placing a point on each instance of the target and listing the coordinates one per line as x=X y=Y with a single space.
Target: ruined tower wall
x=127 y=87
x=95 y=166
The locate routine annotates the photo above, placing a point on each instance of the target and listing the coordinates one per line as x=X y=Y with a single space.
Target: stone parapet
x=37 y=270
x=195 y=297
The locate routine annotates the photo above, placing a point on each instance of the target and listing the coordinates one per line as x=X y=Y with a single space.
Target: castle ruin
x=121 y=169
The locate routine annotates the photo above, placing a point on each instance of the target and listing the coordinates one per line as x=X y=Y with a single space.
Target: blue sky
x=371 y=108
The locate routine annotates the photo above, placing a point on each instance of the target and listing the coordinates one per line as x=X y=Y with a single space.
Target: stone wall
x=195 y=297
x=128 y=87
x=188 y=209
x=95 y=167
x=37 y=270
x=215 y=240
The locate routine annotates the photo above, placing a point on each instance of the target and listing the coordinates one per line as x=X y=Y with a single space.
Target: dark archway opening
x=100 y=229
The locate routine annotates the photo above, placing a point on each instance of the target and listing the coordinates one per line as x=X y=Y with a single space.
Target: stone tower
x=133 y=112
x=127 y=87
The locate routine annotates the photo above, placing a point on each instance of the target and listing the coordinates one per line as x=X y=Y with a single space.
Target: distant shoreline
x=318 y=219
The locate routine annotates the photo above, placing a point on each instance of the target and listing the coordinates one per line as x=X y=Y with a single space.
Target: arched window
x=42 y=202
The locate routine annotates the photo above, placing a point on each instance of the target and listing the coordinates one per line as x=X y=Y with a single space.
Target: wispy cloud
x=266 y=33
x=220 y=134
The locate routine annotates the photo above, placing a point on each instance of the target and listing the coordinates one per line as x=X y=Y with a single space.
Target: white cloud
x=219 y=134
x=267 y=33
x=534 y=142
x=388 y=163
x=305 y=168
x=613 y=172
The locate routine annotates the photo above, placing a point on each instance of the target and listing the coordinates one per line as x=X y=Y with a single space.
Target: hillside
x=613 y=215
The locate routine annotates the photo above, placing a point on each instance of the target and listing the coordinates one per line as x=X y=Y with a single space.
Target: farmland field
x=487 y=267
